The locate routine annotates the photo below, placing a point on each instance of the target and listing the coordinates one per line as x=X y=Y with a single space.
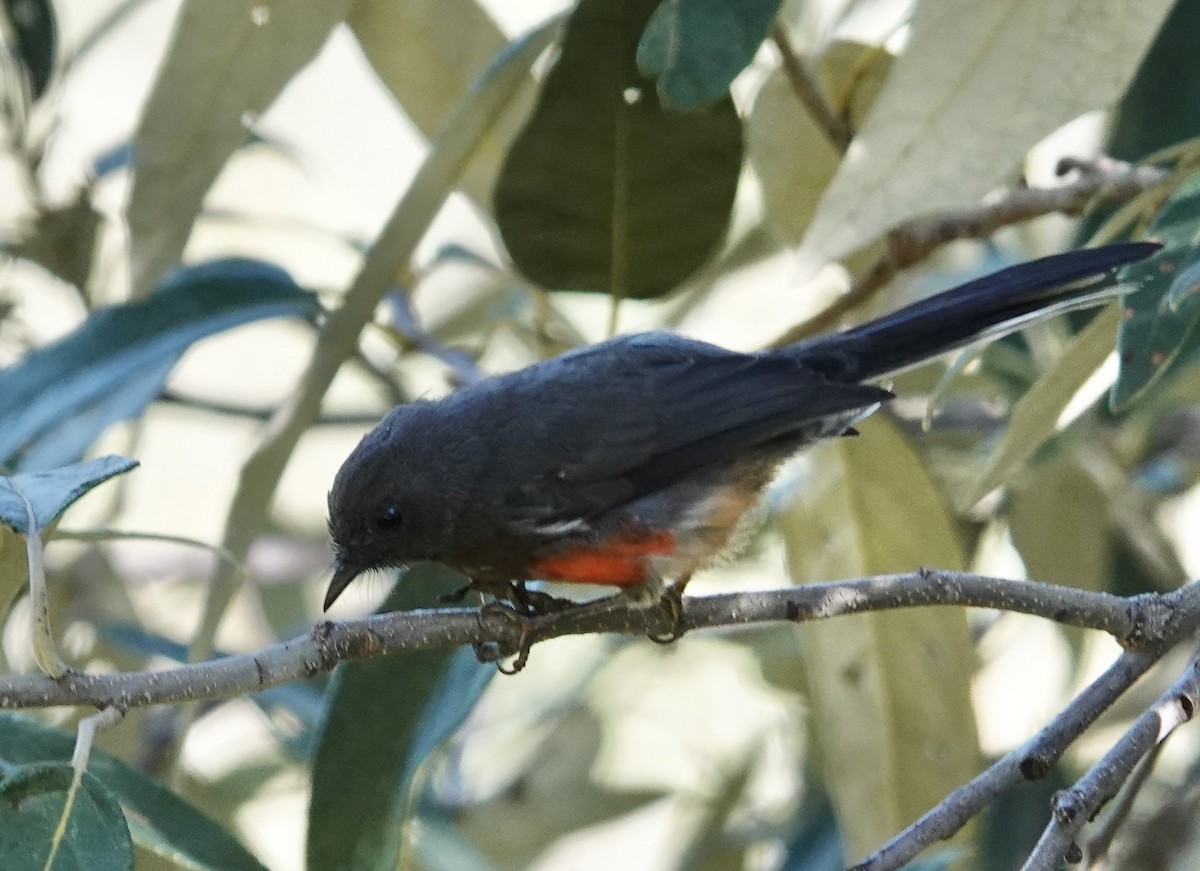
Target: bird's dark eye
x=389 y=519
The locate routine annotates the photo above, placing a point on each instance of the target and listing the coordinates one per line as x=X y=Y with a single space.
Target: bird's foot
x=517 y=604
x=671 y=601
x=493 y=651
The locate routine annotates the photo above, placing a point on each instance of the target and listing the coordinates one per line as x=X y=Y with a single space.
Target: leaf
x=814 y=844
x=51 y=492
x=192 y=837
x=460 y=687
x=890 y=692
x=31 y=803
x=604 y=190
x=1160 y=320
x=36 y=36
x=62 y=239
x=104 y=370
x=1060 y=525
x=1159 y=107
x=790 y=152
x=979 y=84
x=429 y=53
x=1035 y=416
x=70 y=439
x=226 y=64
x=385 y=714
x=695 y=48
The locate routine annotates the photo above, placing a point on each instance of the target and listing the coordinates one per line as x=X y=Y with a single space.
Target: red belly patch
x=620 y=563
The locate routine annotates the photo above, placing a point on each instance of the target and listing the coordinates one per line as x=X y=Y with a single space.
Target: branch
x=1076 y=806
x=808 y=90
x=1034 y=760
x=1150 y=623
x=1104 y=181
x=1030 y=762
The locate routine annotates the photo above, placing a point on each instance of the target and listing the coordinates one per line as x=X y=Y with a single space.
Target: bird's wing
x=662 y=408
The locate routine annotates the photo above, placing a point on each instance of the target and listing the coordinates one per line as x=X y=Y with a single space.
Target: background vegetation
x=235 y=233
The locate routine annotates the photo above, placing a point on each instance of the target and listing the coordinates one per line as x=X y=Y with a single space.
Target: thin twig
x=1143 y=621
x=1030 y=762
x=808 y=91
x=1100 y=841
x=408 y=326
x=1036 y=758
x=1072 y=808
x=914 y=241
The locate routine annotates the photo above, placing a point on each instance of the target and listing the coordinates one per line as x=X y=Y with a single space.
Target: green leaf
x=1160 y=320
x=1159 y=108
x=31 y=803
x=108 y=369
x=51 y=492
x=1057 y=496
x=156 y=811
x=226 y=63
x=954 y=121
x=385 y=716
x=604 y=190
x=35 y=33
x=428 y=53
x=869 y=507
x=695 y=48
x=461 y=685
x=1035 y=417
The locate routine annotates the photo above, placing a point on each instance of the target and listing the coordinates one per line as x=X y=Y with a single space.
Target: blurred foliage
x=167 y=278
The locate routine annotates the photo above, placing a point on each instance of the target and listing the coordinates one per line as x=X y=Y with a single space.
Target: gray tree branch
x=1147 y=626
x=1145 y=622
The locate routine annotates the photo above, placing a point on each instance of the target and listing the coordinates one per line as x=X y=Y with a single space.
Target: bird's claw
x=671 y=601
x=492 y=651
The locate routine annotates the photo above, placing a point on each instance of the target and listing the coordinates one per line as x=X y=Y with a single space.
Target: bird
x=631 y=462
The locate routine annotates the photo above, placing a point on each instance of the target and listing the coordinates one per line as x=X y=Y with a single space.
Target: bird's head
x=393 y=500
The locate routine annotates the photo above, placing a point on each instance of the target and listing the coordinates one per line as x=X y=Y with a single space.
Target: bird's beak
x=344 y=572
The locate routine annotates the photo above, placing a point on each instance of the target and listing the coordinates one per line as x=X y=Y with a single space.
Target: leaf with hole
x=1160 y=321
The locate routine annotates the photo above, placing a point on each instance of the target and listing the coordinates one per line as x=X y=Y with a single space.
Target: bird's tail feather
x=993 y=305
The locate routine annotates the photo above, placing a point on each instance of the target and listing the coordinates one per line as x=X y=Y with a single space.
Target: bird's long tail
x=986 y=307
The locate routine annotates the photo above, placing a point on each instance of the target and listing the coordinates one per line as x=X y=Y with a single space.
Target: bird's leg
x=654 y=593
x=534 y=603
